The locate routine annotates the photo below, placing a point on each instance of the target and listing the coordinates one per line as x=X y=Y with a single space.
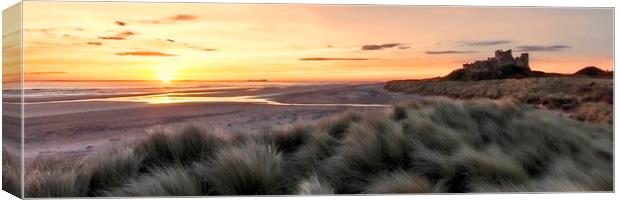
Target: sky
x=284 y=42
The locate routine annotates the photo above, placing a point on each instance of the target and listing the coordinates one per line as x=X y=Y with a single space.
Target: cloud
x=111 y=38
x=329 y=59
x=120 y=23
x=95 y=43
x=195 y=47
x=449 y=52
x=183 y=18
x=118 y=36
x=372 y=47
x=484 y=42
x=126 y=34
x=529 y=48
x=48 y=30
x=144 y=53
x=55 y=32
x=171 y=19
x=202 y=48
x=40 y=30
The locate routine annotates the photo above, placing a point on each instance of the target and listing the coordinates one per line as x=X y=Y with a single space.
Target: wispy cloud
x=191 y=46
x=95 y=43
x=55 y=32
x=111 y=37
x=119 y=36
x=183 y=17
x=120 y=23
x=172 y=19
x=336 y=59
x=126 y=34
x=449 y=52
x=144 y=53
x=528 y=48
x=484 y=42
x=374 y=47
x=51 y=29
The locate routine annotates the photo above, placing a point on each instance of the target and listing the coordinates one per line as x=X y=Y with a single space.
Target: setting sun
x=165 y=74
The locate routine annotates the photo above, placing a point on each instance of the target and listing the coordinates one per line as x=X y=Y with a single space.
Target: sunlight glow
x=166 y=74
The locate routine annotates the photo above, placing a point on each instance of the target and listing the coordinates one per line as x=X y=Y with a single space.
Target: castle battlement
x=501 y=58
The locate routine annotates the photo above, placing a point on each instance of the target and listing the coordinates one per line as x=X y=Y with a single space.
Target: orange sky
x=189 y=41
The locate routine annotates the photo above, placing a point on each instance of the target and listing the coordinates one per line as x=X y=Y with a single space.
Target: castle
x=502 y=58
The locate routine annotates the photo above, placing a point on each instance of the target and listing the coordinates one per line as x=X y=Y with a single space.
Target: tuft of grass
x=55 y=184
x=370 y=147
x=55 y=177
x=169 y=181
x=337 y=126
x=430 y=145
x=314 y=186
x=248 y=169
x=10 y=174
x=475 y=167
x=112 y=170
x=399 y=181
x=191 y=144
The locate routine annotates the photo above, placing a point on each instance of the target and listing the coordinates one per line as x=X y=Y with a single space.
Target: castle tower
x=524 y=60
x=504 y=57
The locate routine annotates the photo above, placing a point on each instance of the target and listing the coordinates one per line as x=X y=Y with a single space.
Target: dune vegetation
x=582 y=98
x=433 y=145
x=10 y=173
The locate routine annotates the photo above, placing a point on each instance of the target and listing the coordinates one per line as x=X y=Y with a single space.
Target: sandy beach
x=74 y=127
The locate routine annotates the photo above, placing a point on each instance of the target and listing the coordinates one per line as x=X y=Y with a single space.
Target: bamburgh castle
x=502 y=58
x=502 y=66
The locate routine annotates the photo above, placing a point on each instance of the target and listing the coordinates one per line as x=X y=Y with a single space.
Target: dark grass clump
x=248 y=169
x=163 y=148
x=399 y=181
x=314 y=186
x=430 y=145
x=169 y=181
x=10 y=174
x=371 y=146
x=112 y=170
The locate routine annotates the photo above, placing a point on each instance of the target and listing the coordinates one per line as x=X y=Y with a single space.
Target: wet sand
x=78 y=128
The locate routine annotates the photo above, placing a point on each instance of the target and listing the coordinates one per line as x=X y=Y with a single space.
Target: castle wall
x=502 y=58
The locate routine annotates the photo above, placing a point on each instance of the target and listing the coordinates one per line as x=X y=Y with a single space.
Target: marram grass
x=431 y=145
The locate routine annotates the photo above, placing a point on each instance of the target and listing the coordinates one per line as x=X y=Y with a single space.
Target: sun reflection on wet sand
x=170 y=98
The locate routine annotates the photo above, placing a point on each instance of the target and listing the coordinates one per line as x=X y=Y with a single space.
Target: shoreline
x=76 y=129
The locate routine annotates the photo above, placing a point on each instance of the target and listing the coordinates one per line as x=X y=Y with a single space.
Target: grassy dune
x=431 y=145
x=586 y=99
x=10 y=174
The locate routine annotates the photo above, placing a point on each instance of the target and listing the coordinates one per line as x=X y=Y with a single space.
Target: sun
x=165 y=74
x=166 y=81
